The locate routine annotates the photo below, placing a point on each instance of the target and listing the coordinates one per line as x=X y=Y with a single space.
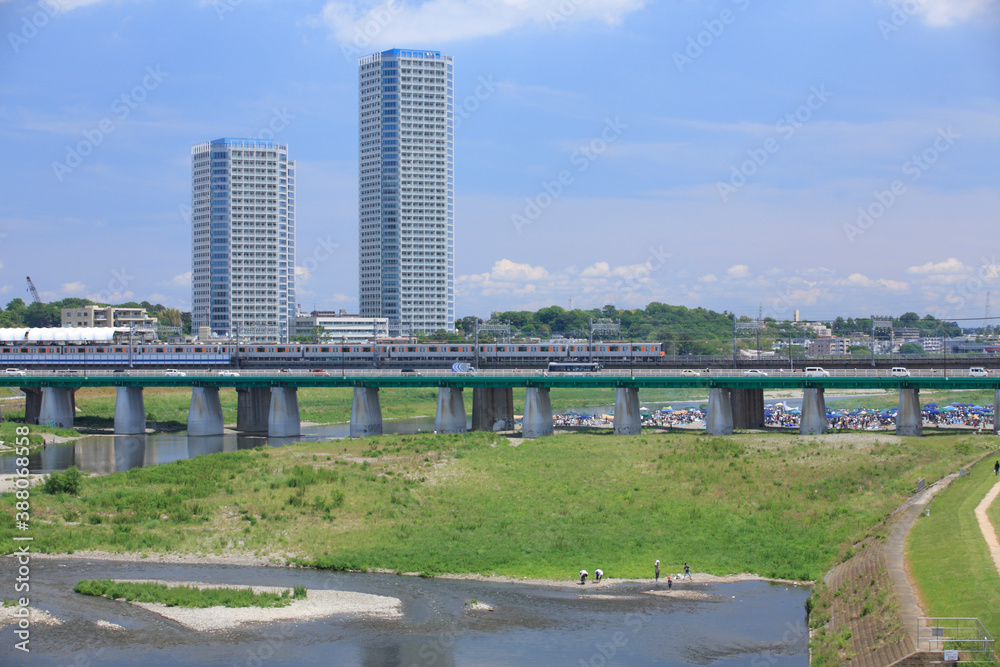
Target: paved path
x=989 y=532
x=909 y=607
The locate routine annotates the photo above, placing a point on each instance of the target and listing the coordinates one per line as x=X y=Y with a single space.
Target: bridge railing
x=491 y=372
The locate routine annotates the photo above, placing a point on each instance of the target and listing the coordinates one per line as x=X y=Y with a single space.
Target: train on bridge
x=116 y=352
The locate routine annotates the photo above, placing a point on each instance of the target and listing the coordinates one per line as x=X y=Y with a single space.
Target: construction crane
x=34 y=292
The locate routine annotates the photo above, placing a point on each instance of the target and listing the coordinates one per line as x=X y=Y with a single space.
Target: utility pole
x=877 y=324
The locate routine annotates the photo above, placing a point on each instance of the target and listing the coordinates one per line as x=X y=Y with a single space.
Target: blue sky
x=831 y=156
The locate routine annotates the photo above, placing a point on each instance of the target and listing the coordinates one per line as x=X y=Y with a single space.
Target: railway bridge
x=267 y=401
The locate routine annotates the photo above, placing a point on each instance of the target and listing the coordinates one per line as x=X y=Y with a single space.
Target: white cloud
x=950 y=265
x=183 y=280
x=710 y=278
x=367 y=26
x=73 y=288
x=510 y=271
x=598 y=270
x=738 y=271
x=946 y=12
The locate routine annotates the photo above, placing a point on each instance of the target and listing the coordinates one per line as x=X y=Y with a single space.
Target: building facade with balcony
x=243 y=239
x=406 y=190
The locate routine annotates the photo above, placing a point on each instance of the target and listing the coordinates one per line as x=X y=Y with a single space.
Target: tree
x=171 y=317
x=911 y=348
x=42 y=315
x=909 y=319
x=858 y=349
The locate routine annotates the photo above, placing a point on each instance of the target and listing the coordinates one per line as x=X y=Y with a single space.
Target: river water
x=741 y=624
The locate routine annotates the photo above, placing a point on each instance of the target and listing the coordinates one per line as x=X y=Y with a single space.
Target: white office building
x=243 y=231
x=406 y=190
x=342 y=327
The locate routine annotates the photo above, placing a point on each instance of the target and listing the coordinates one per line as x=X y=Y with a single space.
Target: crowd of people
x=781 y=415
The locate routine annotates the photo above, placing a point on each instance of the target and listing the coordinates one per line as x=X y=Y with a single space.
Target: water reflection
x=104 y=454
x=409 y=652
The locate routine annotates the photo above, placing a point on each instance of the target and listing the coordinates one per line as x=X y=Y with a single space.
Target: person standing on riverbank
x=656 y=569
x=687 y=571
x=996 y=468
x=598 y=575
x=583 y=576
x=670 y=583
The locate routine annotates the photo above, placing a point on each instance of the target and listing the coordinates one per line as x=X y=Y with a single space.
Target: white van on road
x=978 y=372
x=816 y=371
x=899 y=372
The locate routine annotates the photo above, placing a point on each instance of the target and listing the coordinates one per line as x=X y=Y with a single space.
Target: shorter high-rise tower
x=243 y=239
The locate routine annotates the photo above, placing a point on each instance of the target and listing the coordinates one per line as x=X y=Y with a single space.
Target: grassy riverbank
x=948 y=557
x=186 y=596
x=776 y=505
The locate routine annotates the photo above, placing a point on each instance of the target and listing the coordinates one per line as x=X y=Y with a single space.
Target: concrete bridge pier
x=450 y=417
x=628 y=421
x=283 y=418
x=813 y=420
x=57 y=407
x=492 y=409
x=130 y=411
x=909 y=421
x=537 y=420
x=719 y=417
x=32 y=404
x=996 y=404
x=205 y=413
x=366 y=413
x=748 y=408
x=253 y=407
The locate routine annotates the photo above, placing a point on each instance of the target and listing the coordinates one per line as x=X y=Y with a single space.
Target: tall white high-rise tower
x=243 y=229
x=407 y=190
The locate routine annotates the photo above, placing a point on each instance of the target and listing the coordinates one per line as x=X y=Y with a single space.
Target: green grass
x=8 y=432
x=186 y=596
x=948 y=557
x=778 y=505
x=891 y=400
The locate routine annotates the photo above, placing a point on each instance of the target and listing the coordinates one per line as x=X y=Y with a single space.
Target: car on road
x=174 y=373
x=319 y=371
x=978 y=372
x=899 y=372
x=816 y=371
x=16 y=371
x=229 y=374
x=753 y=372
x=690 y=372
x=410 y=371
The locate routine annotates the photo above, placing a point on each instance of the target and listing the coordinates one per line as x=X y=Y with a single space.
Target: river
x=740 y=624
